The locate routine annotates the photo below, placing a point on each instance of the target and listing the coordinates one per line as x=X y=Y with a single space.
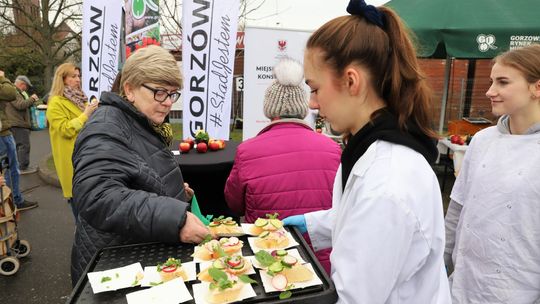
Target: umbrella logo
x=486 y=42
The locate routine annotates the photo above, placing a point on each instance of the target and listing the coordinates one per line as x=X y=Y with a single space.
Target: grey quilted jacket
x=127 y=186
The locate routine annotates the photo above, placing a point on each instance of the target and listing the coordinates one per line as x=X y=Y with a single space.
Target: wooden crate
x=462 y=127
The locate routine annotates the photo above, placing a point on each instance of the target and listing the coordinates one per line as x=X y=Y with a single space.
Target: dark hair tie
x=370 y=12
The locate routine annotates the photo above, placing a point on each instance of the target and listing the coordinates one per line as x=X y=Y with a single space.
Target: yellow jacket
x=65 y=122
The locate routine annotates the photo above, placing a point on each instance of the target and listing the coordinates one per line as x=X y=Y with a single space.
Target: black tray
x=150 y=254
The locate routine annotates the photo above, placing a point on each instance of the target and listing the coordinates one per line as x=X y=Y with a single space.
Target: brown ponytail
x=389 y=56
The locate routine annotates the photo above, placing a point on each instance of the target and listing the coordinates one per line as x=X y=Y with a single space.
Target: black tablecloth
x=207 y=173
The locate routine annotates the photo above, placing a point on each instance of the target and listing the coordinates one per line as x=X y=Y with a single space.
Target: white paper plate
x=152 y=277
x=200 y=292
x=171 y=292
x=292 y=252
x=251 y=270
x=267 y=281
x=198 y=260
x=117 y=278
x=255 y=248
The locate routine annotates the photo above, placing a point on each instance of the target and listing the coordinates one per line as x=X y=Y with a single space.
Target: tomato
x=169 y=269
x=234 y=261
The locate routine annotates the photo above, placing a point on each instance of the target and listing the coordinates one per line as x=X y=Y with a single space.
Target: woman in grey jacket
x=127 y=185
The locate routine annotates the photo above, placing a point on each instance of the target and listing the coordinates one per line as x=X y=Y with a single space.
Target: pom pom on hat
x=286 y=97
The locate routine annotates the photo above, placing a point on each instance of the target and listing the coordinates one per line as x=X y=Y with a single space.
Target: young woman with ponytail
x=386 y=223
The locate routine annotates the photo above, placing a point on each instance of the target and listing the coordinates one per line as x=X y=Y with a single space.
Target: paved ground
x=44 y=275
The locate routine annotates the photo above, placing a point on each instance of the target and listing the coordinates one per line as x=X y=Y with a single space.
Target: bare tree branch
x=45 y=31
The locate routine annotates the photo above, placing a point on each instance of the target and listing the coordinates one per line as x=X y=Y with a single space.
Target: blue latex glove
x=296 y=220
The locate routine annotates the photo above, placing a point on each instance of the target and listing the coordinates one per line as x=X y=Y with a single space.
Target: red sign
x=240 y=40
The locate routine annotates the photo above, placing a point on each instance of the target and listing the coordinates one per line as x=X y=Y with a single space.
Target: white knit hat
x=286 y=97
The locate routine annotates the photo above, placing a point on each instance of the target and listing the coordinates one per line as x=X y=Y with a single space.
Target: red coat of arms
x=282 y=45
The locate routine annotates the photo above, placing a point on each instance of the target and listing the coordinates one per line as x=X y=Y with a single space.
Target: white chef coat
x=386 y=230
x=497 y=250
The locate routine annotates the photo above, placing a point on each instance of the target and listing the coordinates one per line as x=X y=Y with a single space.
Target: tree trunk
x=48 y=76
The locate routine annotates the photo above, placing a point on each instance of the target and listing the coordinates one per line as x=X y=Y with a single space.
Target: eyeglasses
x=160 y=95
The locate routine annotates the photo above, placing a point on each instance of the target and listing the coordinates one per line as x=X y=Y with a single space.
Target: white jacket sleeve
x=319 y=227
x=371 y=249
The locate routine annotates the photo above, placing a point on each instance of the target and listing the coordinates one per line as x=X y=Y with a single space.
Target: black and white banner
x=102 y=21
x=208 y=50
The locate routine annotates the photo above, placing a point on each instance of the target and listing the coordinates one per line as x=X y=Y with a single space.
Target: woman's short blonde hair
x=62 y=71
x=151 y=64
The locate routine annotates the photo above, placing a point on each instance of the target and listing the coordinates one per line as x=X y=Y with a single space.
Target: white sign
x=102 y=20
x=240 y=83
x=208 y=49
x=264 y=47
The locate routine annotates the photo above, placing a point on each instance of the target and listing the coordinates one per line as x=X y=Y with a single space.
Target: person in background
x=386 y=225
x=128 y=187
x=67 y=112
x=492 y=222
x=18 y=112
x=8 y=93
x=287 y=168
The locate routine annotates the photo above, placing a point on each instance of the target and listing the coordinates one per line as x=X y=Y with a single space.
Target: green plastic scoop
x=197 y=211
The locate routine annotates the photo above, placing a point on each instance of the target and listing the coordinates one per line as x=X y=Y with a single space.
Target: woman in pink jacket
x=287 y=168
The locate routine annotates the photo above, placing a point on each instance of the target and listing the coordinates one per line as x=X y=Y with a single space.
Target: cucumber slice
x=218 y=264
x=230 y=223
x=276 y=223
x=260 y=222
x=289 y=261
x=275 y=267
x=264 y=234
x=239 y=266
x=281 y=252
x=214 y=224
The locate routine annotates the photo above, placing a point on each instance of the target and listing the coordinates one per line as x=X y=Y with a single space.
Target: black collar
x=385 y=127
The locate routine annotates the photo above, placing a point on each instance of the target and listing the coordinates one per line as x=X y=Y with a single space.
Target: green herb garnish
x=206 y=239
x=272 y=216
x=264 y=258
x=285 y=294
x=219 y=251
x=246 y=279
x=171 y=263
x=220 y=278
x=105 y=279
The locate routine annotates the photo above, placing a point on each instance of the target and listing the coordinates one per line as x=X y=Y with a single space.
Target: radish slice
x=210 y=245
x=233 y=241
x=289 y=260
x=279 y=282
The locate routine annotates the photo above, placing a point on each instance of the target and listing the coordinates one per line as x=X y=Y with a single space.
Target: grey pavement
x=43 y=276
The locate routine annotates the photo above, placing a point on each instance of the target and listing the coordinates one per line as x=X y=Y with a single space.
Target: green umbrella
x=468 y=29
